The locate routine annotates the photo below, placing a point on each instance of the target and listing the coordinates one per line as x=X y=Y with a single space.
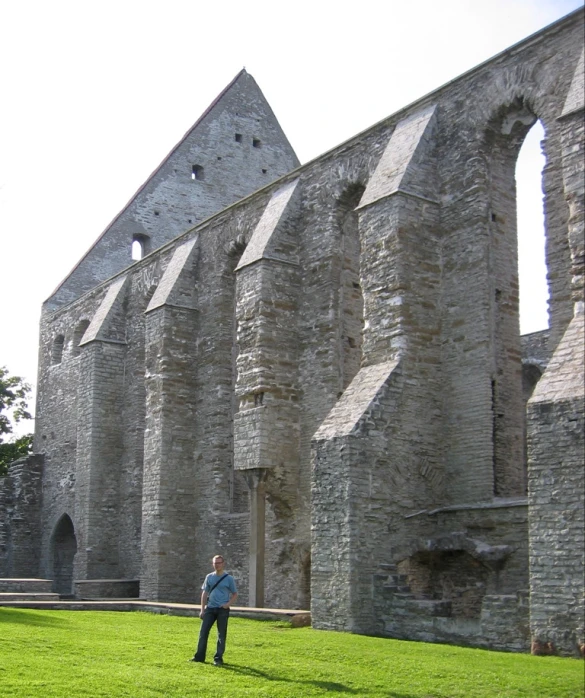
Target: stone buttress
x=169 y=483
x=266 y=425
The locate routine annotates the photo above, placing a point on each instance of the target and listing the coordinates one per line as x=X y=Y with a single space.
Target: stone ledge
x=25 y=585
x=295 y=616
x=27 y=596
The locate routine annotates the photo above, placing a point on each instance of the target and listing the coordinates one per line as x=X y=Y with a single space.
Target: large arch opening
x=505 y=136
x=532 y=267
x=63 y=549
x=532 y=270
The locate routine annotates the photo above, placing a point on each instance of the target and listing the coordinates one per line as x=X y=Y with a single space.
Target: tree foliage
x=14 y=392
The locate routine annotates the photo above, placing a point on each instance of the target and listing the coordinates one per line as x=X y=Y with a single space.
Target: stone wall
x=106 y=588
x=20 y=518
x=470 y=449
x=556 y=446
x=535 y=348
x=460 y=574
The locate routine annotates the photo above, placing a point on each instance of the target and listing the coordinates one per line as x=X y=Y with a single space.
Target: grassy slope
x=60 y=654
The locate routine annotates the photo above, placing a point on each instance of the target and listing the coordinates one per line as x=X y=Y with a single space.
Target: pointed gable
x=233 y=149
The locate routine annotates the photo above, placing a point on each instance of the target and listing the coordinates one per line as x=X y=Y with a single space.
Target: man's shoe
x=193 y=659
x=218 y=662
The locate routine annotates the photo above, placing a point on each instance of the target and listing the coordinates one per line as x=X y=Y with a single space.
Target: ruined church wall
x=220 y=498
x=480 y=385
x=68 y=395
x=480 y=326
x=421 y=250
x=141 y=287
x=330 y=316
x=56 y=415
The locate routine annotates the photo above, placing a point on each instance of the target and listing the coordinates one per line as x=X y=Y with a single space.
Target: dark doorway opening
x=63 y=549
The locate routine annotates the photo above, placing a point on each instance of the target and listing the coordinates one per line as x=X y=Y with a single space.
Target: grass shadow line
x=21 y=616
x=326 y=685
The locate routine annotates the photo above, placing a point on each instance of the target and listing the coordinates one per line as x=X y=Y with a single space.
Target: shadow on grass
x=325 y=685
x=19 y=616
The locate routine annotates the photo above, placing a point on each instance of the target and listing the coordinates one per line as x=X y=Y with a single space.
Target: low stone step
x=398 y=578
x=405 y=596
x=23 y=596
x=397 y=589
x=25 y=585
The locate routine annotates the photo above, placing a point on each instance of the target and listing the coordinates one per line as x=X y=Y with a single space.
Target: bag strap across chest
x=218 y=581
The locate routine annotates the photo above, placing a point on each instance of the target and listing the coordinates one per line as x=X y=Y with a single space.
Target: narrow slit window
x=57 y=349
x=256 y=143
x=78 y=336
x=238 y=137
x=197 y=172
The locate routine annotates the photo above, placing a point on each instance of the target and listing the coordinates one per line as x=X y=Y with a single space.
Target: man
x=218 y=593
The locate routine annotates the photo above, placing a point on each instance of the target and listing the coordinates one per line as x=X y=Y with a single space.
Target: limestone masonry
x=317 y=371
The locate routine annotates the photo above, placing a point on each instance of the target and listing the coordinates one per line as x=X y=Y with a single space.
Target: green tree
x=14 y=392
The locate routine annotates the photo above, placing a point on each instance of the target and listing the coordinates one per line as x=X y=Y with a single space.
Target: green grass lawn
x=65 y=654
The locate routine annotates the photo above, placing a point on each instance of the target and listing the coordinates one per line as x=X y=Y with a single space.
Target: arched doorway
x=63 y=549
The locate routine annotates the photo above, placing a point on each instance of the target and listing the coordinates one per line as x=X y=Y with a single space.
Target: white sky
x=95 y=94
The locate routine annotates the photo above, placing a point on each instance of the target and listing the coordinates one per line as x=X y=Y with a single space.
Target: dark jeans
x=211 y=615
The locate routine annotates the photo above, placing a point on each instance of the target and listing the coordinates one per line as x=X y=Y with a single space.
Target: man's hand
x=203 y=604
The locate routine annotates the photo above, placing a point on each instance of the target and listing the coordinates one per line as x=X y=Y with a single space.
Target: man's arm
x=233 y=597
x=203 y=603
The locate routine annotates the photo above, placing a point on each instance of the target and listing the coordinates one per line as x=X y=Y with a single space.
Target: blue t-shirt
x=222 y=592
